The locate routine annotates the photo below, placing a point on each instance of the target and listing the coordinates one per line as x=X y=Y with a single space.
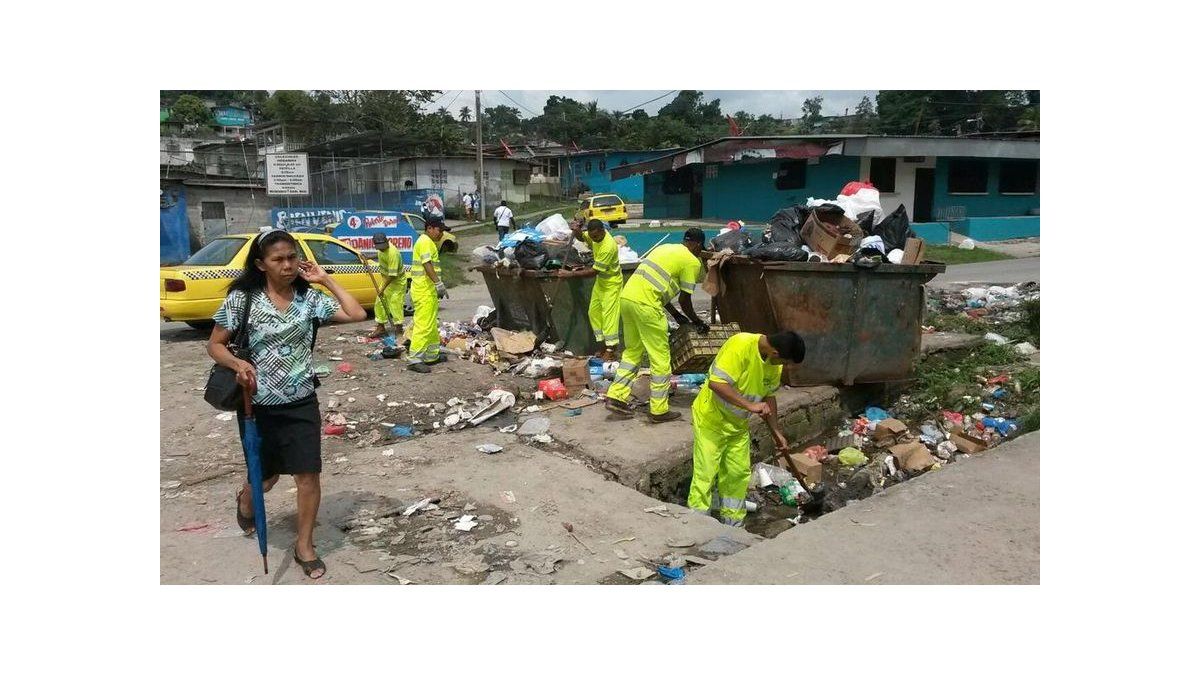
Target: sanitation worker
x=391 y=268
x=741 y=382
x=425 y=348
x=604 y=309
x=665 y=272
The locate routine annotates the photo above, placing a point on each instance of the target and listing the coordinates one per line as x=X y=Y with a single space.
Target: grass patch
x=957 y=323
x=454 y=269
x=952 y=255
x=544 y=207
x=1028 y=327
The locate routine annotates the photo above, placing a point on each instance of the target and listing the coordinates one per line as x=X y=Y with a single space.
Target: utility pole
x=479 y=185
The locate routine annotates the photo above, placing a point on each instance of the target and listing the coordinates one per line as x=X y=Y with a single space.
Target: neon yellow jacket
x=740 y=364
x=662 y=275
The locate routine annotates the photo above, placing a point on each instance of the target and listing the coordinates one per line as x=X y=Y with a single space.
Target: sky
x=755 y=102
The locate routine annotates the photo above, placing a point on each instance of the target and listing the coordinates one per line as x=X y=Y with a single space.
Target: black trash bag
x=530 y=255
x=777 y=251
x=735 y=240
x=865 y=221
x=784 y=226
x=828 y=212
x=895 y=229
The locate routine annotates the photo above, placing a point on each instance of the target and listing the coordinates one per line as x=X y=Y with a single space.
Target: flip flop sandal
x=247 y=524
x=310 y=566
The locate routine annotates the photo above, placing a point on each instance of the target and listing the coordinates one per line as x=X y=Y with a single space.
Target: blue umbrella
x=252 y=445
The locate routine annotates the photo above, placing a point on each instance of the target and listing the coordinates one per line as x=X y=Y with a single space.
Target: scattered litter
x=696 y=560
x=621 y=541
x=499 y=400
x=541 y=563
x=399 y=579
x=542 y=438
x=534 y=426
x=388 y=453
x=225 y=416
x=532 y=408
x=573 y=412
x=416 y=506
x=197 y=527
x=637 y=573
x=340 y=392
x=345 y=368
x=681 y=543
x=334 y=429
x=402 y=431
x=875 y=576
x=852 y=457
x=996 y=338
x=466 y=523
x=511 y=543
x=509 y=497
x=1026 y=349
x=508 y=429
x=658 y=510
x=393 y=404
x=671 y=574
x=489 y=448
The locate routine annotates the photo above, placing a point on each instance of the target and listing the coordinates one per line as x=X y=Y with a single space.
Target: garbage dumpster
x=554 y=308
x=859 y=325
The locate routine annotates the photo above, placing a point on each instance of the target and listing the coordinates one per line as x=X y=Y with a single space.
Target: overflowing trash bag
x=784 y=226
x=530 y=255
x=485 y=255
x=788 y=251
x=894 y=229
x=734 y=240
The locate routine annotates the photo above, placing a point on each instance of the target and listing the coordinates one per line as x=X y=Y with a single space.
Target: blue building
x=985 y=188
x=589 y=171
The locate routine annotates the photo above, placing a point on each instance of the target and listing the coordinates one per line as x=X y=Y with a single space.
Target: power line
x=648 y=102
x=518 y=104
x=450 y=105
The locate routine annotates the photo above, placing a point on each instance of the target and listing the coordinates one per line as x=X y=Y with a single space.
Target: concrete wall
x=747 y=191
x=460 y=178
x=242 y=213
x=982 y=229
x=905 y=183
x=990 y=204
x=631 y=189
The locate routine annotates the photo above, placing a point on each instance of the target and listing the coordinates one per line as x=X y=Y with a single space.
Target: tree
x=501 y=122
x=810 y=114
x=464 y=114
x=189 y=109
x=865 y=121
x=952 y=112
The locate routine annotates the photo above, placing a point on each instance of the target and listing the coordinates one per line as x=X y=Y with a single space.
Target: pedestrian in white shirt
x=468 y=205
x=503 y=218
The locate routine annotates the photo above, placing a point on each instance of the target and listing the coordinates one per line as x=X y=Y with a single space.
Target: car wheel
x=200 y=325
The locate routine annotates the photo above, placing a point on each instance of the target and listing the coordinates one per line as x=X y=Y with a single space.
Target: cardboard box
x=576 y=375
x=811 y=471
x=912 y=456
x=966 y=443
x=831 y=238
x=914 y=251
x=888 y=431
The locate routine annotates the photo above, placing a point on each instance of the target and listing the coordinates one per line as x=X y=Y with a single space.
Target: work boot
x=379 y=331
x=618 y=408
x=665 y=417
x=419 y=368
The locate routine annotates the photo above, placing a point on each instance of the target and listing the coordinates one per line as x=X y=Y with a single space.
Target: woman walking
x=284 y=312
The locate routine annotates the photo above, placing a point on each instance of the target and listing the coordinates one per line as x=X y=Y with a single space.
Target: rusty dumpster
x=859 y=325
x=554 y=308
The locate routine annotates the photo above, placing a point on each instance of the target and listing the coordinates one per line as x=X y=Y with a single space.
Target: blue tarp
x=174 y=244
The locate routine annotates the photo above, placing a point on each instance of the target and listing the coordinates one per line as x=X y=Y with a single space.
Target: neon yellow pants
x=391 y=305
x=604 y=310
x=645 y=335
x=426 y=343
x=721 y=455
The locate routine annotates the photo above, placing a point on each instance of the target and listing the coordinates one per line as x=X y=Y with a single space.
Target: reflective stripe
x=657 y=268
x=626 y=380
x=687 y=286
x=734 y=522
x=653 y=282
x=655 y=393
x=731 y=503
x=426 y=258
x=625 y=365
x=659 y=379
x=733 y=409
x=717 y=372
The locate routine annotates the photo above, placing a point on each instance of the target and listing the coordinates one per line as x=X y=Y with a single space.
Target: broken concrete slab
x=934 y=343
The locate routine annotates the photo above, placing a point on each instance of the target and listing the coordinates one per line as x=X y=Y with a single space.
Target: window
x=552 y=168
x=603 y=164
x=1019 y=177
x=710 y=171
x=587 y=166
x=439 y=178
x=585 y=204
x=968 y=176
x=217 y=252
x=521 y=176
x=329 y=253
x=417 y=222
x=883 y=173
x=212 y=210
x=610 y=200
x=791 y=175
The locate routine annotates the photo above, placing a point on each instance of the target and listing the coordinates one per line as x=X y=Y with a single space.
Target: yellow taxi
x=609 y=208
x=192 y=292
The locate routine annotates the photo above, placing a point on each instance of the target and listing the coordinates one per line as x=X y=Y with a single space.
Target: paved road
x=977 y=521
x=1003 y=272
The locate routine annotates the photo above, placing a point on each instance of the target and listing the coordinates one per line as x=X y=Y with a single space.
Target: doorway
x=696 y=209
x=923 y=196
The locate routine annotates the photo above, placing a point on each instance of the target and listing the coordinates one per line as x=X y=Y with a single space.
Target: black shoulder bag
x=223 y=391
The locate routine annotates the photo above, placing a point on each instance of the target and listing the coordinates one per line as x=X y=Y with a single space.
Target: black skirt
x=291 y=437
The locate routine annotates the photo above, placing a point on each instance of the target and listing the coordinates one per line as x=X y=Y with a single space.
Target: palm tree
x=464 y=114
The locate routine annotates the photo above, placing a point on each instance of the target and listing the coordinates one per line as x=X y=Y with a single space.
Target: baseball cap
x=694 y=234
x=379 y=238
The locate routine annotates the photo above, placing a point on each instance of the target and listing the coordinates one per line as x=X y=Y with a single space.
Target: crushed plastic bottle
x=793 y=493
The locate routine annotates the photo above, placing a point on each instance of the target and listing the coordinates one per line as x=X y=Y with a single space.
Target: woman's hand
x=247 y=376
x=313 y=273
